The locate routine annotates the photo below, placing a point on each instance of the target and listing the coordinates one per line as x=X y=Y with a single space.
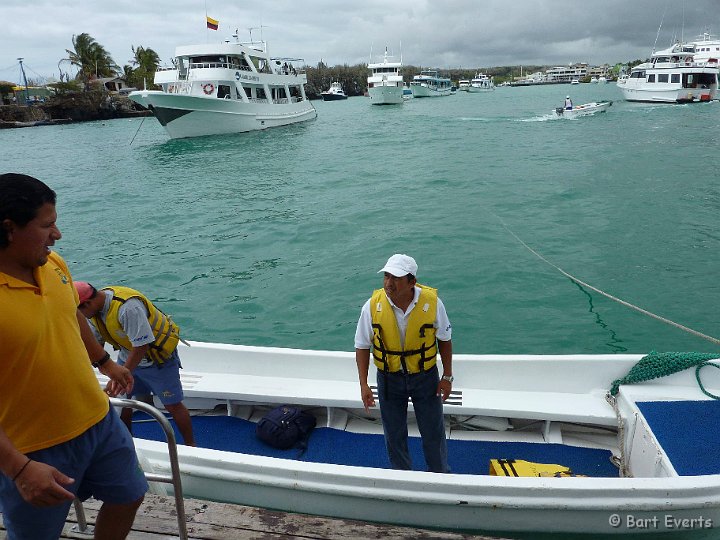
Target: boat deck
x=220 y=521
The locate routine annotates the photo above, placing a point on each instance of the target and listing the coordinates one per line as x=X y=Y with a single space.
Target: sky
x=439 y=33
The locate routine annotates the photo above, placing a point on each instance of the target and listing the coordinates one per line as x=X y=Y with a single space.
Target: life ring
x=208 y=88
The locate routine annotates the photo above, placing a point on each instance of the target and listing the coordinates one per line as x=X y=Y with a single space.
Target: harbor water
x=275 y=238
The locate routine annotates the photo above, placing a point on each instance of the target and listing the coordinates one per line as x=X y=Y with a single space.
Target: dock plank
x=157 y=520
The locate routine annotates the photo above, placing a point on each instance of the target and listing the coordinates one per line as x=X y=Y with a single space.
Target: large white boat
x=430 y=84
x=637 y=438
x=227 y=87
x=481 y=83
x=707 y=47
x=672 y=75
x=464 y=85
x=385 y=83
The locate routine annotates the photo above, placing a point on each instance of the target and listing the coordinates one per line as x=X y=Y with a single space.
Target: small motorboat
x=334 y=93
x=582 y=110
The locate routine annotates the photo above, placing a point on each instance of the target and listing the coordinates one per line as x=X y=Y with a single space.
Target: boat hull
x=386 y=95
x=550 y=388
x=333 y=97
x=194 y=116
x=422 y=91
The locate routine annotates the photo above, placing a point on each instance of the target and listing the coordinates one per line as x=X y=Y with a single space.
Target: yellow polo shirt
x=48 y=390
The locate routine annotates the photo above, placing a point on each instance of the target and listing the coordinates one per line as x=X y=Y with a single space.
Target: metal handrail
x=173 y=478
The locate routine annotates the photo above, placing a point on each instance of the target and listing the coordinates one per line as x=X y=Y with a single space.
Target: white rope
x=611 y=297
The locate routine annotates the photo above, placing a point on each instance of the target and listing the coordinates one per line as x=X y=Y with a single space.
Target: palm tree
x=145 y=62
x=91 y=58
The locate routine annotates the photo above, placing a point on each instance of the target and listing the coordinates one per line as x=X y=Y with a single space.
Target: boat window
x=675 y=78
x=248 y=91
x=651 y=78
x=223 y=91
x=663 y=77
x=260 y=93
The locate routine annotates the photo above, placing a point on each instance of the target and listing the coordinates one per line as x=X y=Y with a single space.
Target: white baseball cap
x=400 y=265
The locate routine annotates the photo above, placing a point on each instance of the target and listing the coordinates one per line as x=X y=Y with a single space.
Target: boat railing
x=179 y=88
x=174 y=478
x=257 y=100
x=282 y=101
x=221 y=65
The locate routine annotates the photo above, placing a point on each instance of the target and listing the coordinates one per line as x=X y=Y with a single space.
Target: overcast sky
x=438 y=33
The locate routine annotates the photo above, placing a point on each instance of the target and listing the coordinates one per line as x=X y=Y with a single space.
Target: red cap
x=85 y=290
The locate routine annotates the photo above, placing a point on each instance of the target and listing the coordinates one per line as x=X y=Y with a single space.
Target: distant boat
x=219 y=88
x=407 y=91
x=481 y=83
x=464 y=85
x=430 y=84
x=672 y=75
x=582 y=110
x=602 y=80
x=575 y=81
x=385 y=83
x=334 y=93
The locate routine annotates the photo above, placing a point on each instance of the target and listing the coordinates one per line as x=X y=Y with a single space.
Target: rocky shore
x=76 y=107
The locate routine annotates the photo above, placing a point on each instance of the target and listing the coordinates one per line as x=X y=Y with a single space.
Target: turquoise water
x=274 y=238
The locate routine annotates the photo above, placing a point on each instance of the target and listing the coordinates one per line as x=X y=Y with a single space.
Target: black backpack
x=285 y=427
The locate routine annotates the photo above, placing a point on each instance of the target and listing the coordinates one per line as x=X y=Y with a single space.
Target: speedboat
x=230 y=87
x=430 y=84
x=385 y=83
x=672 y=75
x=481 y=83
x=334 y=93
x=600 y=444
x=464 y=85
x=582 y=110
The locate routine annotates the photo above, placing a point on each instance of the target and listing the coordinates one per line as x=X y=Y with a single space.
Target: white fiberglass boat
x=430 y=84
x=227 y=88
x=334 y=93
x=385 y=83
x=481 y=83
x=464 y=85
x=583 y=110
x=672 y=75
x=642 y=454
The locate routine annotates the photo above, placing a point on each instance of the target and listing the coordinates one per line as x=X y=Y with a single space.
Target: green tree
x=141 y=71
x=91 y=58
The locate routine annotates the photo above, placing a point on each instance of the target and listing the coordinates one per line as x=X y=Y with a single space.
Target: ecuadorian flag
x=212 y=24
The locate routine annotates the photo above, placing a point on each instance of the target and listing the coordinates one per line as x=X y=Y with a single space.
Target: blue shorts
x=162 y=381
x=103 y=463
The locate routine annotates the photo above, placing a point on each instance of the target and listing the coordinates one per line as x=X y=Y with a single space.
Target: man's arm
x=121 y=380
x=362 y=358
x=38 y=483
x=445 y=386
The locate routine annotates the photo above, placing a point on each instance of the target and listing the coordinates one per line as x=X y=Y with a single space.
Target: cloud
x=449 y=34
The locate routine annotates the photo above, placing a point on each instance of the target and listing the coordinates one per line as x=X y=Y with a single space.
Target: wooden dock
x=157 y=519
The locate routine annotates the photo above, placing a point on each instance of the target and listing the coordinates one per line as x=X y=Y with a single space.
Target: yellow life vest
x=166 y=332
x=419 y=352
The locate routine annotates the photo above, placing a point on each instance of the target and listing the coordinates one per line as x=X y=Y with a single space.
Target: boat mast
x=27 y=93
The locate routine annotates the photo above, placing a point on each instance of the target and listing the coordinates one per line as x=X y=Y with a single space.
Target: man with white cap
x=405 y=325
x=568 y=103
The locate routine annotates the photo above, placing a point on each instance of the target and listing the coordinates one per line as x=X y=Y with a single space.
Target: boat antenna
x=658 y=32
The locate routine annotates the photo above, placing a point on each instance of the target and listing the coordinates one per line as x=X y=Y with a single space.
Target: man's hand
x=42 y=485
x=121 y=380
x=367 y=397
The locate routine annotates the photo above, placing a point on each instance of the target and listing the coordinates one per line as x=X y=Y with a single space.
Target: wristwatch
x=102 y=360
x=448 y=378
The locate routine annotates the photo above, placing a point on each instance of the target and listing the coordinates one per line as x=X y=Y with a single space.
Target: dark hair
x=20 y=198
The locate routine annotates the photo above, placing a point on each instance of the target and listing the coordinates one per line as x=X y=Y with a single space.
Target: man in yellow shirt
x=59 y=437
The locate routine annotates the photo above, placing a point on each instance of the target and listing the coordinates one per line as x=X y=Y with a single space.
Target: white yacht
x=464 y=85
x=672 y=75
x=228 y=87
x=481 y=83
x=334 y=93
x=706 y=47
x=430 y=84
x=385 y=83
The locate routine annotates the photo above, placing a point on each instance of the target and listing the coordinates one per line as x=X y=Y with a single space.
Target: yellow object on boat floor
x=519 y=467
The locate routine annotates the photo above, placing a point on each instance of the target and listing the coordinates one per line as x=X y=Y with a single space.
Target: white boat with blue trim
x=230 y=87
x=586 y=109
x=430 y=84
x=642 y=452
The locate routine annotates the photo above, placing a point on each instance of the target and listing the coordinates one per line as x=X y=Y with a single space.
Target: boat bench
x=550 y=406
